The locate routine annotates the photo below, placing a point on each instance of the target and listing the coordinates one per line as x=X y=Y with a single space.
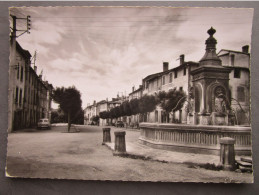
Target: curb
x=208 y=166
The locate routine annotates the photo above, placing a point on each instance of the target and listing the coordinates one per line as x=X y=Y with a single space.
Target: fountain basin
x=203 y=139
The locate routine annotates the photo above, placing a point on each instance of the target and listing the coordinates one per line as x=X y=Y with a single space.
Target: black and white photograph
x=158 y=94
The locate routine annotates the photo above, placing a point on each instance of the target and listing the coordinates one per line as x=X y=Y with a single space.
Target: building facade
x=239 y=81
x=29 y=96
x=176 y=78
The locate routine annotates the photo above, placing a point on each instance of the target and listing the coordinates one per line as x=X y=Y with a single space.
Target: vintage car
x=119 y=124
x=43 y=123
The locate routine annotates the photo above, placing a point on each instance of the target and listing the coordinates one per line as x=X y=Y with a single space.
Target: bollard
x=120 y=145
x=227 y=153
x=106 y=135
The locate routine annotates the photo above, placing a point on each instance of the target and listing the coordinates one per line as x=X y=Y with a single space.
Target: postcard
x=159 y=94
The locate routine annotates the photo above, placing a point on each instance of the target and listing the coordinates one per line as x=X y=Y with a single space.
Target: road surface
x=57 y=154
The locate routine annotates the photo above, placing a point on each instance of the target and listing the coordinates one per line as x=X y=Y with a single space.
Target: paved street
x=57 y=154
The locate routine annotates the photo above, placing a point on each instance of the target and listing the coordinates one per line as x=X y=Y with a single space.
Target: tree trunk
x=68 y=121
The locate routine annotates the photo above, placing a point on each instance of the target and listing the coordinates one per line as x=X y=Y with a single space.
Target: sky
x=105 y=51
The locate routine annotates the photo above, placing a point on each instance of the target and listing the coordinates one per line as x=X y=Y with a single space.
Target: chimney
x=165 y=66
x=140 y=86
x=40 y=77
x=133 y=89
x=106 y=99
x=245 y=49
x=181 y=59
x=94 y=102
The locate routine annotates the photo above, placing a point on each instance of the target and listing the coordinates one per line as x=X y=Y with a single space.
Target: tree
x=58 y=116
x=95 y=119
x=69 y=100
x=112 y=113
x=126 y=108
x=79 y=117
x=147 y=103
x=171 y=101
x=104 y=115
x=134 y=106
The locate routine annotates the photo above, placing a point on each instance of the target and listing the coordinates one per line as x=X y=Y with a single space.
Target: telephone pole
x=13 y=66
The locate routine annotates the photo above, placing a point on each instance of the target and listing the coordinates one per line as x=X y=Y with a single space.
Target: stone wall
x=194 y=138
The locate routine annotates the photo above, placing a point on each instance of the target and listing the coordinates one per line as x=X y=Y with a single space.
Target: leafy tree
x=95 y=119
x=69 y=100
x=147 y=103
x=172 y=101
x=78 y=118
x=58 y=116
x=126 y=108
x=134 y=106
x=118 y=111
x=104 y=115
x=112 y=113
x=54 y=117
x=121 y=110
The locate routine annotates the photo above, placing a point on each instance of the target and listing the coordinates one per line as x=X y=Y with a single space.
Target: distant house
x=89 y=112
x=104 y=105
x=239 y=62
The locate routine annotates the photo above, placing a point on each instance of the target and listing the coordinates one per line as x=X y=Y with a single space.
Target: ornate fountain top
x=211 y=31
x=210 y=57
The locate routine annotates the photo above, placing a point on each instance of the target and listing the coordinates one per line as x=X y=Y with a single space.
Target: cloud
x=106 y=50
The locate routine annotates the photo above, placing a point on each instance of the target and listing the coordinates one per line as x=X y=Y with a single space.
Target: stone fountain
x=209 y=119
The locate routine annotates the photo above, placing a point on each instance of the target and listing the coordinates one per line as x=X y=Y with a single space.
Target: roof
x=101 y=102
x=139 y=89
x=23 y=52
x=231 y=51
x=184 y=64
x=153 y=76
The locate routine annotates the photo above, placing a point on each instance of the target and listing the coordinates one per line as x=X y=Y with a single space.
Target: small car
x=119 y=124
x=43 y=123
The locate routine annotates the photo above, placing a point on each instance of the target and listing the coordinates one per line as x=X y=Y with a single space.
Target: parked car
x=43 y=123
x=119 y=124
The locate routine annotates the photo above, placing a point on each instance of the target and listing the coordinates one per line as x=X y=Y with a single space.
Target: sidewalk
x=137 y=150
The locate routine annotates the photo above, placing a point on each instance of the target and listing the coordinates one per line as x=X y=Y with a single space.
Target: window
x=240 y=94
x=175 y=74
x=237 y=73
x=163 y=80
x=18 y=71
x=25 y=94
x=16 y=95
x=232 y=59
x=20 y=98
x=184 y=71
x=180 y=88
x=21 y=73
x=170 y=78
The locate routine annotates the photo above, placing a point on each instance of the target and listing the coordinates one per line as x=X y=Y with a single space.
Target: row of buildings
x=217 y=80
x=94 y=110
x=29 y=95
